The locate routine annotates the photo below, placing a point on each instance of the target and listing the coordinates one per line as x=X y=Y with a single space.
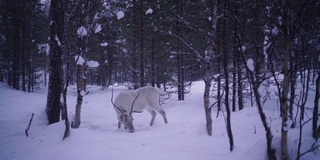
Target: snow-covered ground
x=183 y=138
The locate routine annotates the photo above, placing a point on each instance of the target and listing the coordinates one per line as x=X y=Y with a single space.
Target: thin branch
x=217 y=100
x=188 y=45
x=27 y=129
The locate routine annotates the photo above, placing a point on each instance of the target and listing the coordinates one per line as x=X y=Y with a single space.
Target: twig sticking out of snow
x=27 y=129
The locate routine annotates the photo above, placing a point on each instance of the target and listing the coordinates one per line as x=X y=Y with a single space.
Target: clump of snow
x=149 y=11
x=104 y=44
x=275 y=31
x=216 y=76
x=124 y=50
x=243 y=49
x=82 y=31
x=92 y=64
x=287 y=125
x=79 y=60
x=58 y=40
x=83 y=93
x=97 y=28
x=120 y=14
x=250 y=64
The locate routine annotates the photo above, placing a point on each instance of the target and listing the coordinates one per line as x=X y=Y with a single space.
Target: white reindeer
x=136 y=101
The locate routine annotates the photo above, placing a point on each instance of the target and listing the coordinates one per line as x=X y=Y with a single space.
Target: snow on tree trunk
x=81 y=64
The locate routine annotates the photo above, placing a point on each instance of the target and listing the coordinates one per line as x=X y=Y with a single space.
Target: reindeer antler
x=115 y=104
x=133 y=103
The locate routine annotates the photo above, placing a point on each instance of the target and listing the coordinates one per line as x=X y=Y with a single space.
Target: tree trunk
x=180 y=67
x=285 y=86
x=55 y=69
x=226 y=74
x=142 y=81
x=153 y=59
x=269 y=136
x=81 y=68
x=315 y=127
x=207 y=109
x=134 y=49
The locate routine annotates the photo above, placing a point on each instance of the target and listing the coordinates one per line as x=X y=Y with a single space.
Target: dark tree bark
x=153 y=62
x=315 y=127
x=180 y=63
x=55 y=68
x=141 y=60
x=134 y=49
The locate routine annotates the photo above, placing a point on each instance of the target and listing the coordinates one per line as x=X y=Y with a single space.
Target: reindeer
x=136 y=101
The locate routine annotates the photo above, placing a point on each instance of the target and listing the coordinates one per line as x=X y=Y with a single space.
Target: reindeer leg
x=153 y=114
x=163 y=114
x=119 y=123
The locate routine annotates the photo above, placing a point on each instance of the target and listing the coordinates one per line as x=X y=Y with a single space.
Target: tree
x=85 y=9
x=55 y=68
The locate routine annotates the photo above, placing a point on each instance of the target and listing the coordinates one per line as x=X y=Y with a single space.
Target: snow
x=83 y=93
x=250 y=65
x=104 y=44
x=124 y=50
x=92 y=64
x=97 y=28
x=58 y=40
x=79 y=60
x=120 y=14
x=82 y=31
x=216 y=76
x=149 y=11
x=98 y=137
x=243 y=49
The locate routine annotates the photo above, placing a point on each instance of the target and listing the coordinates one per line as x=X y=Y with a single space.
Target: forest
x=237 y=48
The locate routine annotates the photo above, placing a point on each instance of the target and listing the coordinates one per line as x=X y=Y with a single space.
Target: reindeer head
x=126 y=116
x=127 y=121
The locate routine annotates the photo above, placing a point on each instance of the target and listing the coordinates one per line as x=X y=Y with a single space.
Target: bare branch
x=27 y=129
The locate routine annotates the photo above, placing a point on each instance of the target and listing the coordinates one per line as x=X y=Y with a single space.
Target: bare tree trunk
x=134 y=49
x=234 y=83
x=153 y=63
x=285 y=86
x=269 y=136
x=180 y=65
x=80 y=91
x=207 y=80
x=55 y=70
x=226 y=74
x=315 y=127
x=142 y=81
x=81 y=78
x=207 y=60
